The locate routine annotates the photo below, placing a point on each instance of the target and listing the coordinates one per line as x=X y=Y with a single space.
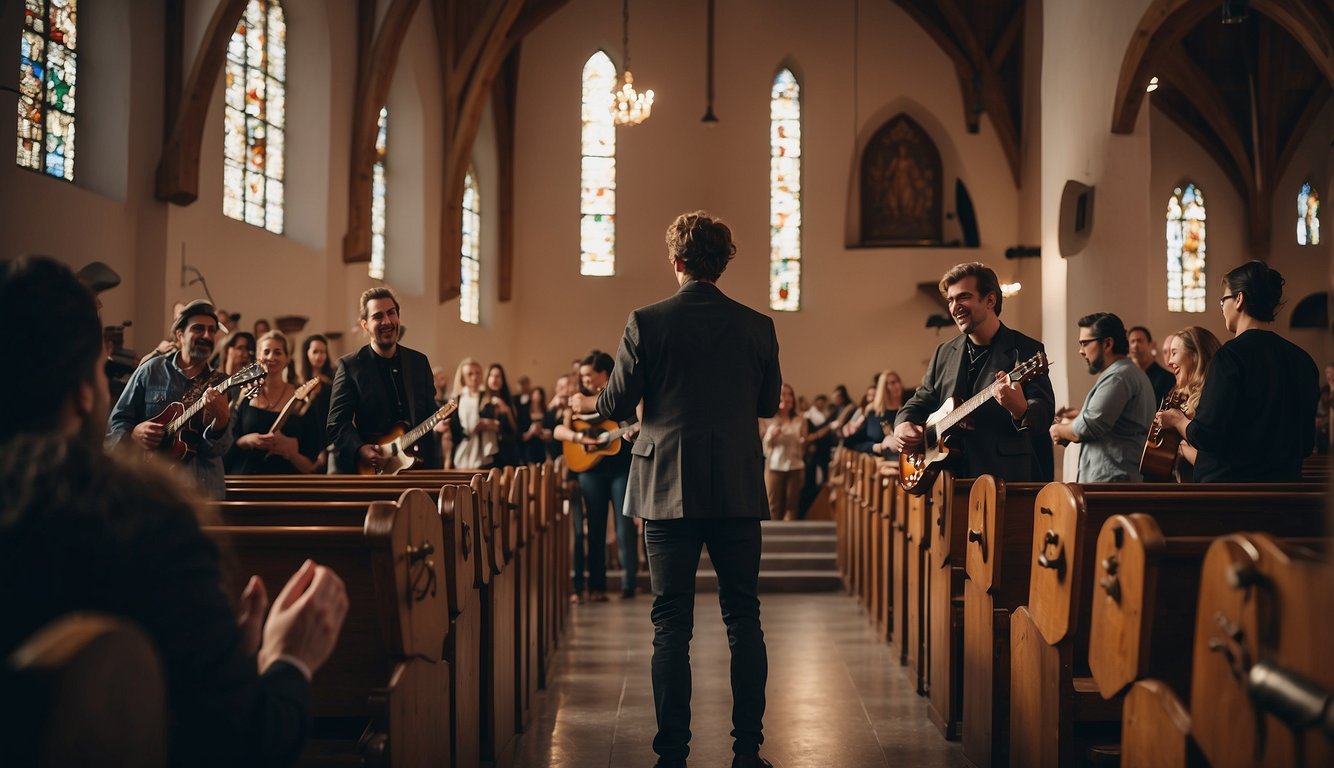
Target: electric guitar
x=395 y=444
x=1160 y=448
x=181 y=437
x=581 y=458
x=917 y=471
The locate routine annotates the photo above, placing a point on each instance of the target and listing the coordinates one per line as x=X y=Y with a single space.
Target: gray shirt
x=1114 y=423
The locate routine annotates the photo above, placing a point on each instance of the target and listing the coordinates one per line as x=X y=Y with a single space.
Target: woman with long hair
x=784 y=438
x=257 y=450
x=475 y=426
x=871 y=435
x=316 y=362
x=1189 y=353
x=237 y=352
x=498 y=386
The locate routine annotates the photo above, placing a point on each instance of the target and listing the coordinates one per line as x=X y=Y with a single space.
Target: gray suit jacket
x=706 y=368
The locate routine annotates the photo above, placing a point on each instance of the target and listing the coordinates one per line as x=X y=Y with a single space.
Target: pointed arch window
x=785 y=193
x=1185 y=250
x=48 y=71
x=597 y=204
x=254 y=122
x=1308 y=215
x=378 y=197
x=470 y=265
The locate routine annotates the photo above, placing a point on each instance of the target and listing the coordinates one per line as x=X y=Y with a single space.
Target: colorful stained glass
x=48 y=74
x=470 y=264
x=1185 y=250
x=377 y=196
x=785 y=193
x=1308 y=215
x=255 y=104
x=597 y=201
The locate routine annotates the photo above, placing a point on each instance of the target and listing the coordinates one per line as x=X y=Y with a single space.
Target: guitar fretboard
x=428 y=425
x=967 y=407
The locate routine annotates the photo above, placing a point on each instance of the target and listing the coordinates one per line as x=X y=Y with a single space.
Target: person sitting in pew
x=1254 y=422
x=873 y=436
x=1190 y=350
x=81 y=530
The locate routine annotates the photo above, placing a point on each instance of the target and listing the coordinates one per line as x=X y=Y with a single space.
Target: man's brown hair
x=986 y=280
x=378 y=292
x=702 y=243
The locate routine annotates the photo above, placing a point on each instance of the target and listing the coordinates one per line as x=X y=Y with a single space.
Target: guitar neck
x=421 y=429
x=191 y=411
x=281 y=421
x=966 y=409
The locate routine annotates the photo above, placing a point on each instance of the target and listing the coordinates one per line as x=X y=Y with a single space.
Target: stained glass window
x=470 y=265
x=377 y=200
x=256 y=97
x=785 y=193
x=597 y=204
x=1308 y=216
x=48 y=64
x=1185 y=250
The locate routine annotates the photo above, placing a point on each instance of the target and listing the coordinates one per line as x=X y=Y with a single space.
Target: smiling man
x=1001 y=442
x=382 y=384
x=179 y=377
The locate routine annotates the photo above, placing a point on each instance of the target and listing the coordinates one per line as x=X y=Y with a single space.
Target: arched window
x=597 y=204
x=377 y=198
x=785 y=193
x=1185 y=250
x=48 y=67
x=1308 y=215
x=252 y=174
x=470 y=265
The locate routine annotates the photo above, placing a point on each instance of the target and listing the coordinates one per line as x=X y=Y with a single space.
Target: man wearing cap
x=170 y=378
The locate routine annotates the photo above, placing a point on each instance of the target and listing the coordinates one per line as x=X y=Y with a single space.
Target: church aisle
x=835 y=695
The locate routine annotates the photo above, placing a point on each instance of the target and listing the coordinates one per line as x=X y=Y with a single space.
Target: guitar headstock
x=308 y=390
x=252 y=372
x=1035 y=366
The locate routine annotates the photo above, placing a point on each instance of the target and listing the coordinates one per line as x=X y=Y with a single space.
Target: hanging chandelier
x=629 y=107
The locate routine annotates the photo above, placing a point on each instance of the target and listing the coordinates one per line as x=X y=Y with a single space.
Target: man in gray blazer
x=706 y=368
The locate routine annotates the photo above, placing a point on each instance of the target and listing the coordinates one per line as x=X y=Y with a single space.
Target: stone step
x=770 y=581
x=805 y=543
x=785 y=561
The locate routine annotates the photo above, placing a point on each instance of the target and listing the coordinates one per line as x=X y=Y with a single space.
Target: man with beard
x=182 y=376
x=1117 y=412
x=378 y=386
x=1001 y=442
x=81 y=530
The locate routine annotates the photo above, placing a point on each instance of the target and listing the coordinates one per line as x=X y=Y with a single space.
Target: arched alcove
x=900 y=187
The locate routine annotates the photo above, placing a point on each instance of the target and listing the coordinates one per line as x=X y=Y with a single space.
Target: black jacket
x=360 y=410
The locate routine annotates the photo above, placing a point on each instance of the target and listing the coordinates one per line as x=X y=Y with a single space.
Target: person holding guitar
x=601 y=482
x=378 y=387
x=1001 y=442
x=179 y=377
x=1189 y=353
x=264 y=446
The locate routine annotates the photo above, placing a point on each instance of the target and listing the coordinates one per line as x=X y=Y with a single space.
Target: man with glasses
x=1001 y=442
x=1114 y=422
x=179 y=377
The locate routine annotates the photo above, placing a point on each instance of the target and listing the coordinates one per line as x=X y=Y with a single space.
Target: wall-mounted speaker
x=1076 y=223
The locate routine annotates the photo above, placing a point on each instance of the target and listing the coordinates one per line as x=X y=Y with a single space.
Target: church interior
x=1098 y=156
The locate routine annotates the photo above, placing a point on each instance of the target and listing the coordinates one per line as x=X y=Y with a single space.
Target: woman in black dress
x=257 y=451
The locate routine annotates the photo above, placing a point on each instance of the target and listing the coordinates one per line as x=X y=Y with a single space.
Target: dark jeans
x=817 y=473
x=602 y=487
x=673 y=556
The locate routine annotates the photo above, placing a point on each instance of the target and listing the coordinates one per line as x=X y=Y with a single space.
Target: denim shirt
x=1114 y=423
x=153 y=386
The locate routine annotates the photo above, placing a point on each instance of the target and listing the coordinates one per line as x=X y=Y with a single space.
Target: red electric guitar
x=182 y=430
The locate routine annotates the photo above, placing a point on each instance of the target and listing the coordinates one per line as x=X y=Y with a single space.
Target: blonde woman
x=257 y=451
x=872 y=436
x=784 y=456
x=1189 y=353
x=475 y=426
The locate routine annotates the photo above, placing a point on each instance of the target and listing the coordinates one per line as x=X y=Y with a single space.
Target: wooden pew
x=899 y=565
x=498 y=642
x=947 y=518
x=886 y=485
x=916 y=541
x=86 y=689
x=460 y=512
x=998 y=541
x=1057 y=715
x=380 y=695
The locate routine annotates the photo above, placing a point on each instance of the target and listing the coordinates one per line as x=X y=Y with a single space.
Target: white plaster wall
x=861 y=310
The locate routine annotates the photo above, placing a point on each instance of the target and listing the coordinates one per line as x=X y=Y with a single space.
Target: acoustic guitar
x=182 y=430
x=917 y=471
x=299 y=403
x=1161 y=446
x=580 y=457
x=394 y=445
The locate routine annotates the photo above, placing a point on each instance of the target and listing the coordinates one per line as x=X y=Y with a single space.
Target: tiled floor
x=835 y=695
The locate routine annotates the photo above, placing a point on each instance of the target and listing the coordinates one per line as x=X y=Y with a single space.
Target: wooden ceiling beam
x=375 y=74
x=1194 y=85
x=1311 y=24
x=1161 y=27
x=1008 y=38
x=1303 y=124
